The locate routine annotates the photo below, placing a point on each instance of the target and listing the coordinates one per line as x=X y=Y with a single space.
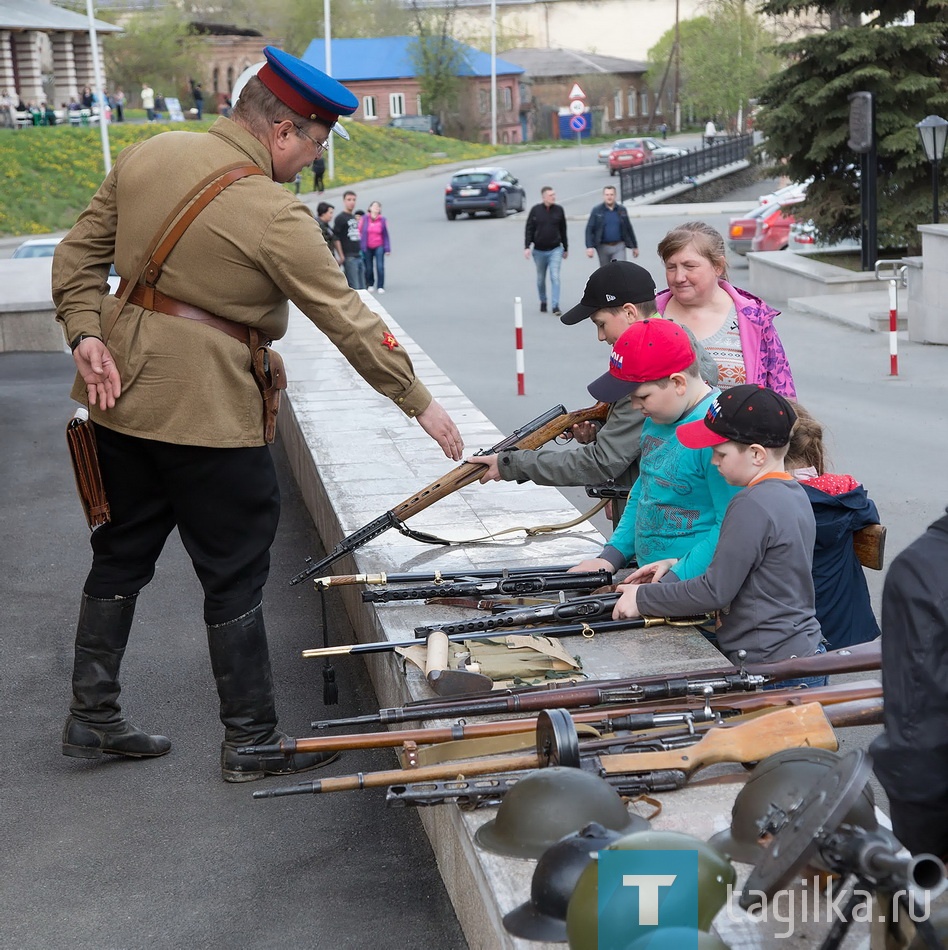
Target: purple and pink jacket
x=765 y=361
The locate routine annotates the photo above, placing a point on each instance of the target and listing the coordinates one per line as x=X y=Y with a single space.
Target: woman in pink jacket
x=373 y=231
x=735 y=327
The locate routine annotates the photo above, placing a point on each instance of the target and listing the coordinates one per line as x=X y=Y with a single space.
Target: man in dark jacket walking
x=609 y=230
x=911 y=756
x=545 y=238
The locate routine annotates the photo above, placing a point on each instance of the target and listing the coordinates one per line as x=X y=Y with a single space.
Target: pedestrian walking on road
x=545 y=239
x=376 y=246
x=349 y=242
x=183 y=413
x=609 y=230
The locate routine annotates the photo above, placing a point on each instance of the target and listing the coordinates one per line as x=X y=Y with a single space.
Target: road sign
x=576 y=92
x=578 y=123
x=577 y=107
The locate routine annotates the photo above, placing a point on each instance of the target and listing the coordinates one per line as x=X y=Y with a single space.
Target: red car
x=626 y=153
x=773 y=231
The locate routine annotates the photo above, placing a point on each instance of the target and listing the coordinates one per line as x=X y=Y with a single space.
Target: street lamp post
x=933 y=131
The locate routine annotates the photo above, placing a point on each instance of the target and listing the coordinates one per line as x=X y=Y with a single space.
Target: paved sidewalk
x=161 y=854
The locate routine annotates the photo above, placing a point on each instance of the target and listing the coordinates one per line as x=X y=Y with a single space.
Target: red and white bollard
x=518 y=336
x=893 y=328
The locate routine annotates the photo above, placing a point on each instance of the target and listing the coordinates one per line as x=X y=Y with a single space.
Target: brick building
x=381 y=73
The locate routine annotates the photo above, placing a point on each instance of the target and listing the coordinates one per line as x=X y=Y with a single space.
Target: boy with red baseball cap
x=759 y=580
x=677 y=504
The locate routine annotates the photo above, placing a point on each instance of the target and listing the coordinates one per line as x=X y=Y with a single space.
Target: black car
x=493 y=190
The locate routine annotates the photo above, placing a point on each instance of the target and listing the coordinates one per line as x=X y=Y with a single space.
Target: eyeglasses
x=320 y=146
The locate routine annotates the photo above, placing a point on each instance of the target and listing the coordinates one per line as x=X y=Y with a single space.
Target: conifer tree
x=876 y=46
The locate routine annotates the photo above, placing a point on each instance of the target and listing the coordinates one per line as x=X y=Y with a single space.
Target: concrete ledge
x=27 y=315
x=786 y=274
x=863 y=311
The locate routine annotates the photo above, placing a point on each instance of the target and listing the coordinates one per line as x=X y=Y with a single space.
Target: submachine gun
x=813 y=828
x=551 y=424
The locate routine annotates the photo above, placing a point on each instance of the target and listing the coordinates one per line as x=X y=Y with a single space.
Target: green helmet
x=778 y=783
x=715 y=876
x=549 y=804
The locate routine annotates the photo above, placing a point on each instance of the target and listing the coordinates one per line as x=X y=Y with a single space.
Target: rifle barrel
x=435 y=577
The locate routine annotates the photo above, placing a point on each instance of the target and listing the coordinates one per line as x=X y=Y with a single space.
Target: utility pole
x=327 y=39
x=677 y=71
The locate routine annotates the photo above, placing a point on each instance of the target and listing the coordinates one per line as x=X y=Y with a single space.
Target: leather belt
x=151 y=299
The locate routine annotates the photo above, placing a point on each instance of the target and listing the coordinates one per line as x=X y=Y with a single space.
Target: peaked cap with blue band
x=306 y=90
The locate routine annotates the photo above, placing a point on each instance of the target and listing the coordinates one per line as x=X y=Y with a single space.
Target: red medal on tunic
x=389 y=341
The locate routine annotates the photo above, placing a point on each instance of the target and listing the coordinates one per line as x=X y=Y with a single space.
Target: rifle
x=549 y=425
x=567 y=630
x=490 y=789
x=640 y=717
x=859 y=659
x=534 y=583
x=435 y=577
x=595 y=607
x=750 y=741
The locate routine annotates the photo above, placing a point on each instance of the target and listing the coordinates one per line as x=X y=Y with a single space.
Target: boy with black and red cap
x=759 y=580
x=677 y=504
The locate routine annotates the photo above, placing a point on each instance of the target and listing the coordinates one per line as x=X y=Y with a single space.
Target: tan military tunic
x=252 y=248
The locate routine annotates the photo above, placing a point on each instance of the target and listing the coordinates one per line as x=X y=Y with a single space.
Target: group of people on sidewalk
x=359 y=242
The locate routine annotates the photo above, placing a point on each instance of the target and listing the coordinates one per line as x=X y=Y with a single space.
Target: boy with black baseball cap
x=616 y=295
x=676 y=506
x=759 y=580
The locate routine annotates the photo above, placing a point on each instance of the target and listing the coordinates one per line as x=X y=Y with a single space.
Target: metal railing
x=667 y=172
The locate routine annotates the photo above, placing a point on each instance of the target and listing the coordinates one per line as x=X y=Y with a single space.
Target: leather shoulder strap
x=207 y=190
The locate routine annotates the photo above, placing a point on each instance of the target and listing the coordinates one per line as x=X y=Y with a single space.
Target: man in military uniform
x=178 y=415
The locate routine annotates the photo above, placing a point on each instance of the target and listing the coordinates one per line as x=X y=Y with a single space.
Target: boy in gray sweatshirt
x=759 y=581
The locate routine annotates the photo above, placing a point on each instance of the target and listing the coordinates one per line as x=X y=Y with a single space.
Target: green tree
x=805 y=110
x=158 y=48
x=438 y=60
x=724 y=58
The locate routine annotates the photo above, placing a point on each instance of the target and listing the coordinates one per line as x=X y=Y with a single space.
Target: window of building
x=483 y=100
x=370 y=108
x=632 y=98
x=643 y=103
x=418 y=105
x=617 y=105
x=396 y=104
x=508 y=98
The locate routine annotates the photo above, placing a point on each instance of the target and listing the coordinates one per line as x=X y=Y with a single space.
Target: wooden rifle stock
x=750 y=741
x=554 y=422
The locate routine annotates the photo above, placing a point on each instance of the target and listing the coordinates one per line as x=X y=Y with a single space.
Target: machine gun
x=557 y=743
x=551 y=424
x=435 y=577
x=814 y=827
x=534 y=583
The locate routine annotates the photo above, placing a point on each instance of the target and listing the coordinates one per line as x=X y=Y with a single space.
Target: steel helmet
x=715 y=876
x=780 y=781
x=549 y=804
x=543 y=917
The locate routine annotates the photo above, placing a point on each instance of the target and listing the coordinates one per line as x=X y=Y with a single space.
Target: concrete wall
x=928 y=287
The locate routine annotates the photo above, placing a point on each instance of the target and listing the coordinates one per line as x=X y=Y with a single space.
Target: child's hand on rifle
x=626 y=607
x=652 y=573
x=591 y=565
x=491 y=469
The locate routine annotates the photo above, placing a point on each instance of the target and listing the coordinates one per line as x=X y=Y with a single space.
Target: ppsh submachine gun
x=814 y=827
x=552 y=424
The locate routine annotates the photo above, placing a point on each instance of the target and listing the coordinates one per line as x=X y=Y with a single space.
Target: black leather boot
x=95 y=726
x=241 y=664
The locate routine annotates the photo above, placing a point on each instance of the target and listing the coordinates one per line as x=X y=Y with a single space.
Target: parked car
x=773 y=234
x=803 y=238
x=417 y=123
x=627 y=153
x=37 y=247
x=490 y=189
x=789 y=194
x=743 y=229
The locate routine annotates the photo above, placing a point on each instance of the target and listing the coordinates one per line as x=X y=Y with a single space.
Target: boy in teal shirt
x=677 y=504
